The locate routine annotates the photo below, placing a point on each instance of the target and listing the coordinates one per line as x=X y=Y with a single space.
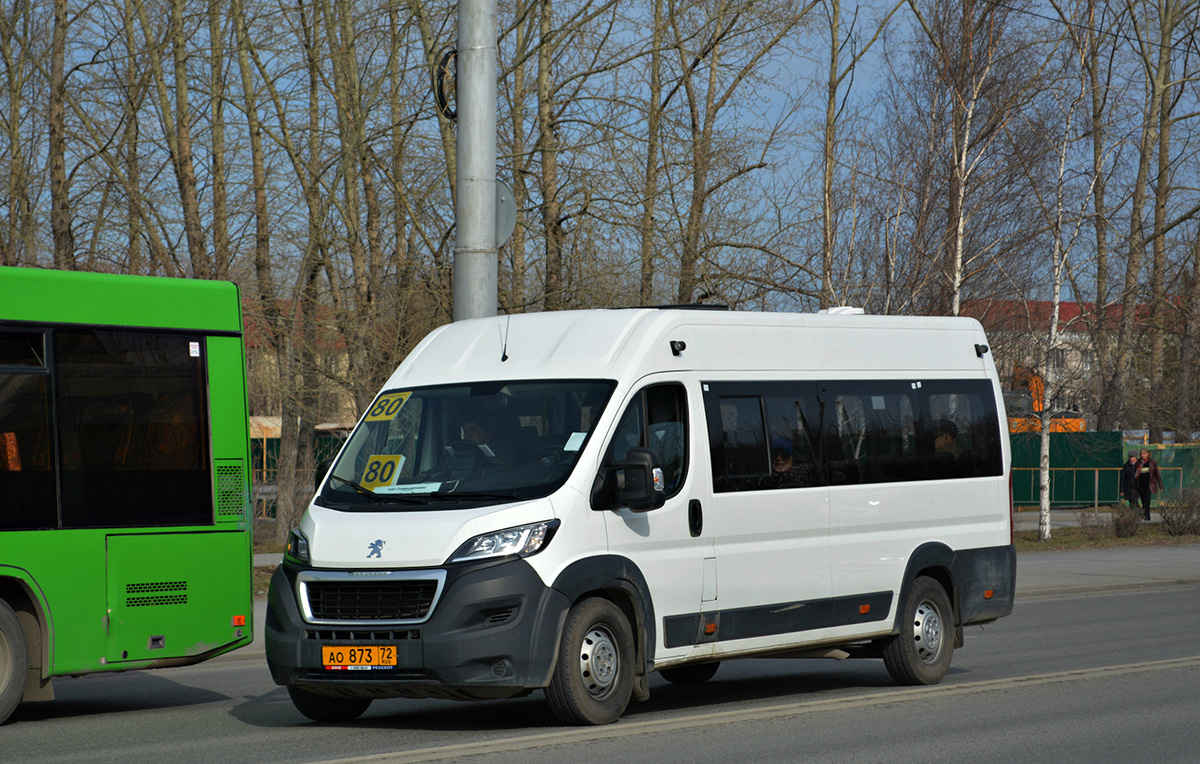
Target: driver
x=487 y=431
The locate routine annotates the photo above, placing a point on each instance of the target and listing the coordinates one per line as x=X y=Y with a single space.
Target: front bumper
x=493 y=633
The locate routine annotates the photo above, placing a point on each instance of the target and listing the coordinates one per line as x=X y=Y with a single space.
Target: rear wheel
x=593 y=679
x=693 y=673
x=921 y=652
x=326 y=708
x=12 y=661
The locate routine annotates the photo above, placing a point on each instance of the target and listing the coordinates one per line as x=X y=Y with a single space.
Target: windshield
x=465 y=444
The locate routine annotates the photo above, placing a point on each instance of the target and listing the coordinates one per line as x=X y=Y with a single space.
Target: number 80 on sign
x=387 y=406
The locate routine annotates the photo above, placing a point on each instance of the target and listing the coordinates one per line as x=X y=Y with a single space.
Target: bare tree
x=837 y=74
x=1155 y=26
x=60 y=191
x=720 y=48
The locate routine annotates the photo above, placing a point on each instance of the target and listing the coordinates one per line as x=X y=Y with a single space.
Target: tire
x=326 y=708
x=692 y=673
x=13 y=661
x=593 y=676
x=921 y=652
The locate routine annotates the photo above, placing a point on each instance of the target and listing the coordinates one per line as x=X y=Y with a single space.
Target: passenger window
x=27 y=497
x=656 y=418
x=744 y=437
x=893 y=431
x=132 y=411
x=793 y=463
x=963 y=429
x=761 y=435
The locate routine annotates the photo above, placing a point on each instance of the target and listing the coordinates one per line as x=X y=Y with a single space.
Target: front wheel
x=326 y=708
x=12 y=661
x=593 y=678
x=921 y=652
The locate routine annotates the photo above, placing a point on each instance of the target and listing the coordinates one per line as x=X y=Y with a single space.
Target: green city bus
x=125 y=532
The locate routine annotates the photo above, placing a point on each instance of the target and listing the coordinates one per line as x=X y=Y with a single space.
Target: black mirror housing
x=641 y=485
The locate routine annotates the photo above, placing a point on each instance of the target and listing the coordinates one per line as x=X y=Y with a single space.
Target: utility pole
x=475 y=258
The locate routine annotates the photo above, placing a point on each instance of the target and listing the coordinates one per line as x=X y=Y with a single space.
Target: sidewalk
x=1027 y=519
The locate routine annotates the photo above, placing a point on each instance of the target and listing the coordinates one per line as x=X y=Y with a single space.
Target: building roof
x=1034 y=315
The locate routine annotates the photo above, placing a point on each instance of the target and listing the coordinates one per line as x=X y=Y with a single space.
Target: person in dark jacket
x=1148 y=480
x=1129 y=472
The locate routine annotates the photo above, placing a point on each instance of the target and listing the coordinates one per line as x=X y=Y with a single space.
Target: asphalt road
x=1100 y=662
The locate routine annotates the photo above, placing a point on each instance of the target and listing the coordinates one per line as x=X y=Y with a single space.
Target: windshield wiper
x=381 y=498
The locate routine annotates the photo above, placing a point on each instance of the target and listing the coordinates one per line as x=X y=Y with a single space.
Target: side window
x=656 y=418
x=963 y=429
x=743 y=437
x=790 y=426
x=761 y=435
x=133 y=424
x=872 y=432
x=27 y=496
x=892 y=431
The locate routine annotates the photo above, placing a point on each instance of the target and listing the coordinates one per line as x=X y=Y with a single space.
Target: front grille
x=373 y=601
x=362 y=635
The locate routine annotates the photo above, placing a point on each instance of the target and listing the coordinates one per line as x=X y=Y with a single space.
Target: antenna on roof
x=504 y=343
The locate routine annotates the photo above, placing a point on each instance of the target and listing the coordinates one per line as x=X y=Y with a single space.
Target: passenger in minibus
x=945 y=441
x=783 y=465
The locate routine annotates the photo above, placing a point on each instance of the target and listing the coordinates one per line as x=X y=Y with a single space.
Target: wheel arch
x=24 y=596
x=933 y=560
x=619 y=580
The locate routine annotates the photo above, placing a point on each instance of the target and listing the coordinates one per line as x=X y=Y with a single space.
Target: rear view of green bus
x=124 y=489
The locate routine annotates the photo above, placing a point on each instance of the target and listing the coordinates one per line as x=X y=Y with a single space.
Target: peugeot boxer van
x=573 y=501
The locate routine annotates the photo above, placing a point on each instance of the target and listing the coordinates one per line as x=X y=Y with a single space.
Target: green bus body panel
x=230 y=435
x=141 y=597
x=163 y=605
x=105 y=299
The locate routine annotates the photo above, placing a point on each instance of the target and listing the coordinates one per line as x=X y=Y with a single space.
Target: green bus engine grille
x=149 y=594
x=383 y=601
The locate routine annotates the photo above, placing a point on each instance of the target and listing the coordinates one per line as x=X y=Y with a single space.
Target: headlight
x=297 y=546
x=523 y=541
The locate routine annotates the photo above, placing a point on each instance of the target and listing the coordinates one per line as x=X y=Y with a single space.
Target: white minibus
x=572 y=501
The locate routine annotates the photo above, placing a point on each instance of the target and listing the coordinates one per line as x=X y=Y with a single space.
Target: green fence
x=1085 y=467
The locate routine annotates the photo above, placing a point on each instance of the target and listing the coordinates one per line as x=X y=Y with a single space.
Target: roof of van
x=625 y=343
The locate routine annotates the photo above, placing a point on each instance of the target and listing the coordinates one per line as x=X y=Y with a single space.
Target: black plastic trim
x=776 y=618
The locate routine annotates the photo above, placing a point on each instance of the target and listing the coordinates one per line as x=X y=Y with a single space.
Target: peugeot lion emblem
x=376 y=549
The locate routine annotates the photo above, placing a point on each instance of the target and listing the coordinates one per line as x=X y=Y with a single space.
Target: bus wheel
x=693 y=673
x=326 y=708
x=921 y=652
x=593 y=679
x=12 y=661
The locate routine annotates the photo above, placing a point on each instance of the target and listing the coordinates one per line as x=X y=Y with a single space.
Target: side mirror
x=320 y=472
x=640 y=483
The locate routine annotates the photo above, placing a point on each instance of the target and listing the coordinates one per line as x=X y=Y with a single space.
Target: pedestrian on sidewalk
x=1148 y=480
x=1129 y=473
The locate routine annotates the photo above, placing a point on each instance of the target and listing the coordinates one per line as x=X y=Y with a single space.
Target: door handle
x=695 y=517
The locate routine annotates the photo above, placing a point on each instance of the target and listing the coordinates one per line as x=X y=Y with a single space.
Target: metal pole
x=475 y=261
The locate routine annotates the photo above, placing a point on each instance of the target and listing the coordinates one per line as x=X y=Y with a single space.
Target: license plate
x=362 y=657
